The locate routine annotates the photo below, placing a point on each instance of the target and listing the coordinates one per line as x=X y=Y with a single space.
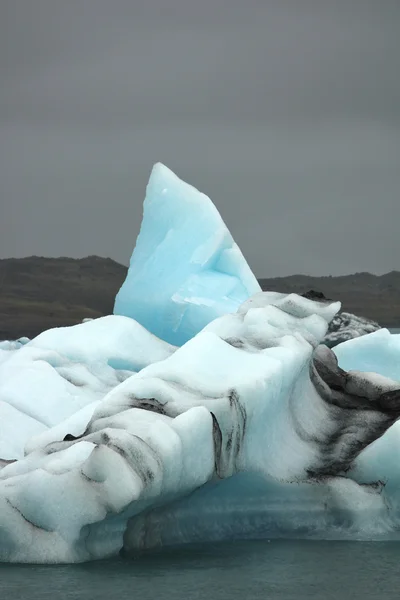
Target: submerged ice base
x=237 y=423
x=186 y=269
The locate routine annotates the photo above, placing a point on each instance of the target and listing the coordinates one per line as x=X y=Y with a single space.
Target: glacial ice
x=118 y=341
x=186 y=269
x=48 y=379
x=378 y=352
x=112 y=439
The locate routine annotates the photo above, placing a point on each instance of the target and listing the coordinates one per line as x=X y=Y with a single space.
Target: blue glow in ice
x=186 y=269
x=377 y=352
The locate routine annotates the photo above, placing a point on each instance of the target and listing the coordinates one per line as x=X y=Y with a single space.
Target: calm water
x=280 y=570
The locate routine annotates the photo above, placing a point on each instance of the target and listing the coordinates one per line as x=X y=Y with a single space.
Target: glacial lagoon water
x=258 y=570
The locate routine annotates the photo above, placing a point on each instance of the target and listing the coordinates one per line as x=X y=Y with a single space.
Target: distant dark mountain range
x=38 y=293
x=376 y=297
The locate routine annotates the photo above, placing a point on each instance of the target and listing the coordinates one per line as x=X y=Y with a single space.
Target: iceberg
x=377 y=352
x=186 y=269
x=116 y=440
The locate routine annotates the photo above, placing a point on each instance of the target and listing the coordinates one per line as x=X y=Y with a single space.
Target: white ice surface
x=152 y=441
x=118 y=341
x=52 y=377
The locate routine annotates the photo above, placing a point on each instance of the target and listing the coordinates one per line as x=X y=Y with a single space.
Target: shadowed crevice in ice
x=362 y=405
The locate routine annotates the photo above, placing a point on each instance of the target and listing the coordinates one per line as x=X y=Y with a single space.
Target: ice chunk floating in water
x=378 y=352
x=186 y=269
x=112 y=439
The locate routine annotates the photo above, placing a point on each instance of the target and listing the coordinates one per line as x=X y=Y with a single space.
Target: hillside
x=376 y=297
x=38 y=293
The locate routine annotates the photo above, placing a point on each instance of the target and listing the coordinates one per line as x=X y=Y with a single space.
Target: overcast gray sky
x=285 y=112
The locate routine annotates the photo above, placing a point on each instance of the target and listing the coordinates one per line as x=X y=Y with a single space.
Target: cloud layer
x=286 y=113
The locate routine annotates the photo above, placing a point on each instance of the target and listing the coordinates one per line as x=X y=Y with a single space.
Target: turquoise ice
x=377 y=352
x=186 y=270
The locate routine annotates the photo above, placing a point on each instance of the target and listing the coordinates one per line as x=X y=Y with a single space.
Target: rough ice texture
x=112 y=439
x=252 y=401
x=346 y=326
x=51 y=378
x=186 y=269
